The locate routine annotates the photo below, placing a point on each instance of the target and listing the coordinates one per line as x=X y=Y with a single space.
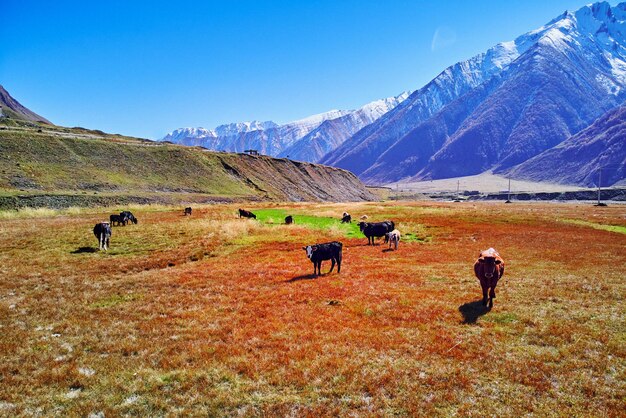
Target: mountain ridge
x=293 y=139
x=579 y=159
x=535 y=92
x=11 y=108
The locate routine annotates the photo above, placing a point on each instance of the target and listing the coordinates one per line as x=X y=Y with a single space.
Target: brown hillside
x=53 y=166
x=11 y=108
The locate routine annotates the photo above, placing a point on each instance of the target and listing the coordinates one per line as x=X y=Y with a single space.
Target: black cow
x=187 y=211
x=327 y=251
x=346 y=218
x=129 y=217
x=289 y=220
x=246 y=214
x=102 y=231
x=373 y=230
x=117 y=219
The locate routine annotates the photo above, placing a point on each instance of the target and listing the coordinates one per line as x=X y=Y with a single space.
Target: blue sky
x=144 y=68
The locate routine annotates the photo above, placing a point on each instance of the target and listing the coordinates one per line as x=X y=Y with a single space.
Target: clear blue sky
x=144 y=68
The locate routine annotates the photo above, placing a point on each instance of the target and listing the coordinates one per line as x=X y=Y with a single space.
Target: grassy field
x=215 y=315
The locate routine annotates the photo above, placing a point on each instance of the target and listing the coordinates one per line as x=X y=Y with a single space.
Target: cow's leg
x=339 y=263
x=485 y=288
x=332 y=266
x=319 y=268
x=492 y=292
x=396 y=244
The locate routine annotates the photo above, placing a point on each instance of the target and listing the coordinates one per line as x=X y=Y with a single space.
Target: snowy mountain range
x=502 y=107
x=519 y=102
x=306 y=139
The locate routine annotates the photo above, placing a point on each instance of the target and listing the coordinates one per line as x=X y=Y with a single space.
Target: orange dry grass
x=214 y=315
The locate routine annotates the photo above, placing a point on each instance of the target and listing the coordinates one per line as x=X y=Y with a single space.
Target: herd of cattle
x=488 y=268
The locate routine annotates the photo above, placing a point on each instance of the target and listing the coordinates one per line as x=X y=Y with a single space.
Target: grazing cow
x=129 y=217
x=102 y=231
x=117 y=219
x=488 y=269
x=327 y=251
x=373 y=230
x=187 y=212
x=246 y=214
x=289 y=220
x=346 y=218
x=393 y=237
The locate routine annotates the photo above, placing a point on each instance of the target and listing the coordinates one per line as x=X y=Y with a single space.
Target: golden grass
x=213 y=315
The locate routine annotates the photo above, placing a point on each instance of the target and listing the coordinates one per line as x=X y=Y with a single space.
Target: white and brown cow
x=393 y=237
x=488 y=269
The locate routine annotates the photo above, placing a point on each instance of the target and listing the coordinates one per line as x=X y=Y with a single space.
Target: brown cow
x=489 y=268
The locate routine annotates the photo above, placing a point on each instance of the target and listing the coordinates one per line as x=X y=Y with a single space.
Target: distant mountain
x=577 y=160
x=500 y=108
x=11 y=108
x=305 y=139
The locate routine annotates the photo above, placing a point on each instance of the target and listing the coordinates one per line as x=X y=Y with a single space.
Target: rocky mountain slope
x=11 y=108
x=305 y=139
x=500 y=108
x=578 y=159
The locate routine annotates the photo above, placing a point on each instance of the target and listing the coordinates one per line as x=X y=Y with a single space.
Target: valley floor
x=213 y=315
x=485 y=183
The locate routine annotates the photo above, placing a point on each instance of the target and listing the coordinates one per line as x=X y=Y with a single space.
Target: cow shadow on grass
x=81 y=250
x=471 y=311
x=302 y=277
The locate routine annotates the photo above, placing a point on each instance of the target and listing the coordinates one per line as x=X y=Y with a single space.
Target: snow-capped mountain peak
x=503 y=106
x=177 y=134
x=315 y=120
x=274 y=139
x=240 y=127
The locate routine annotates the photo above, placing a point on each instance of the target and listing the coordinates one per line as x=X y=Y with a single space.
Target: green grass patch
x=610 y=228
x=277 y=217
x=351 y=230
x=502 y=318
x=114 y=300
x=414 y=237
